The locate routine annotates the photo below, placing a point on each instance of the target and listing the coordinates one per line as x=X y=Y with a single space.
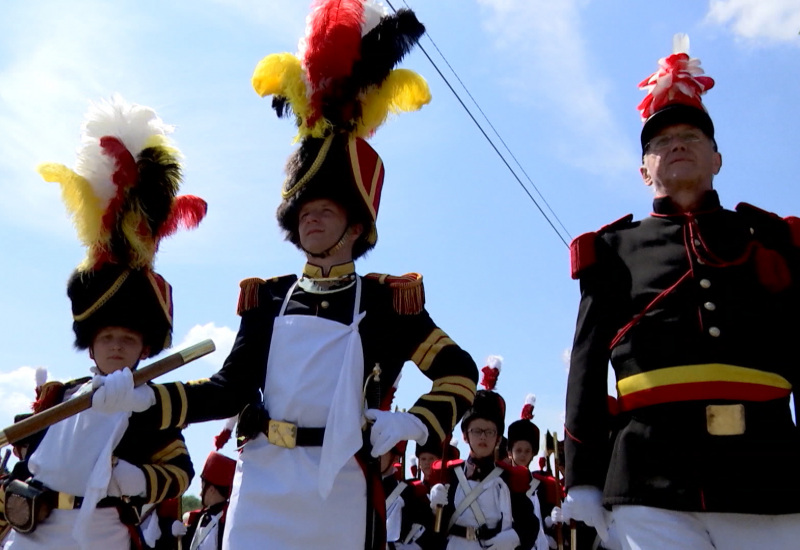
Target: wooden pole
x=45 y=419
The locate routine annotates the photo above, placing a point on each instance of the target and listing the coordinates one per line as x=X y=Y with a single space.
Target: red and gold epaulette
x=518 y=479
x=408 y=294
x=583 y=251
x=248 y=294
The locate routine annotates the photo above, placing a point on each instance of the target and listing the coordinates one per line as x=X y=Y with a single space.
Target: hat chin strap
x=332 y=250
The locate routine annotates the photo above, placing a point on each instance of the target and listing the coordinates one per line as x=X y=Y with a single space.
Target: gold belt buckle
x=282 y=434
x=472 y=533
x=725 y=419
x=66 y=501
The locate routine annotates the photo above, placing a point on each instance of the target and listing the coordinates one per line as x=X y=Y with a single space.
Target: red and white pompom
x=491 y=371
x=678 y=80
x=527 y=408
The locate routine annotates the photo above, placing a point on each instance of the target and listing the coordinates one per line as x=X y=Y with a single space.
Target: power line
x=489 y=140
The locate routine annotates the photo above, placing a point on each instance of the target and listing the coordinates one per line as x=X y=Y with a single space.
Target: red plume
x=333 y=45
x=491 y=371
x=187 y=211
x=124 y=177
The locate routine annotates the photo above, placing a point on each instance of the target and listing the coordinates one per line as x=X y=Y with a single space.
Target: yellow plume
x=403 y=90
x=80 y=200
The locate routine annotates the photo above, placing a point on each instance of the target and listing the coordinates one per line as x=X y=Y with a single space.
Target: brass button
x=697 y=242
x=705 y=283
x=324 y=304
x=713 y=332
x=710 y=306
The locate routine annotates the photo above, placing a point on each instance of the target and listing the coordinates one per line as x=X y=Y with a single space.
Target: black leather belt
x=255 y=418
x=475 y=533
x=66 y=501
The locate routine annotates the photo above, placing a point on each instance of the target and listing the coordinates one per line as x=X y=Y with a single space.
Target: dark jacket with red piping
x=698 y=314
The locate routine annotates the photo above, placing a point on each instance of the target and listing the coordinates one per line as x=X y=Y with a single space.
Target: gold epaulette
x=248 y=294
x=408 y=294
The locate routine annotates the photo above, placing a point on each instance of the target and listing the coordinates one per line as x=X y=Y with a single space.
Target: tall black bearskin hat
x=340 y=88
x=488 y=404
x=674 y=94
x=123 y=199
x=523 y=429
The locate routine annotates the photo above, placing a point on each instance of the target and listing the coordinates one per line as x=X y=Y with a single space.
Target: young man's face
x=115 y=348
x=482 y=437
x=321 y=223
x=522 y=453
x=426 y=461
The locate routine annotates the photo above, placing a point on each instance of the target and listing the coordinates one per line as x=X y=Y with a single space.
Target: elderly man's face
x=680 y=157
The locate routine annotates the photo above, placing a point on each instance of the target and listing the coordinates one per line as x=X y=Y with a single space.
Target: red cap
x=219 y=470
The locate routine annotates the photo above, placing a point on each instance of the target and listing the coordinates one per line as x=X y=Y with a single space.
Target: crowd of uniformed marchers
x=695 y=308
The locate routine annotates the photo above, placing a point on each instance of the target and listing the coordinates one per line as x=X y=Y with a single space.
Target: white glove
x=178 y=529
x=390 y=428
x=117 y=394
x=504 y=540
x=585 y=503
x=556 y=516
x=438 y=496
x=404 y=546
x=127 y=480
x=551 y=542
x=151 y=531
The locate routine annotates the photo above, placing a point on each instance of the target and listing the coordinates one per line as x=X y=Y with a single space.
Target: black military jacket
x=698 y=314
x=396 y=329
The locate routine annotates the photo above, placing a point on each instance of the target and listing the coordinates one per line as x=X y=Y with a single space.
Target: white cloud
x=17 y=392
x=547 y=37
x=223 y=338
x=771 y=20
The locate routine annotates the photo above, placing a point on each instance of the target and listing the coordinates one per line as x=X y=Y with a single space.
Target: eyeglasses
x=477 y=432
x=663 y=142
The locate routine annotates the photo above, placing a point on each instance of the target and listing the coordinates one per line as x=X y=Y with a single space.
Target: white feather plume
x=680 y=43
x=495 y=361
x=132 y=124
x=412 y=461
x=41 y=376
x=231 y=423
x=530 y=399
x=373 y=12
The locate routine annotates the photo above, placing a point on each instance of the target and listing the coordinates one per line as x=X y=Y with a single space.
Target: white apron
x=75 y=458
x=306 y=497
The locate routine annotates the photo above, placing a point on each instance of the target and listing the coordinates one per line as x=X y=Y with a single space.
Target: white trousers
x=648 y=528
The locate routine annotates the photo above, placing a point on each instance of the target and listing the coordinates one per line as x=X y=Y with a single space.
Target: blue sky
x=557 y=79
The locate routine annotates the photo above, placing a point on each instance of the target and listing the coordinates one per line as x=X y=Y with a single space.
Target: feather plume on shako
x=678 y=80
x=491 y=371
x=122 y=193
x=343 y=78
x=224 y=436
x=527 y=408
x=122 y=196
